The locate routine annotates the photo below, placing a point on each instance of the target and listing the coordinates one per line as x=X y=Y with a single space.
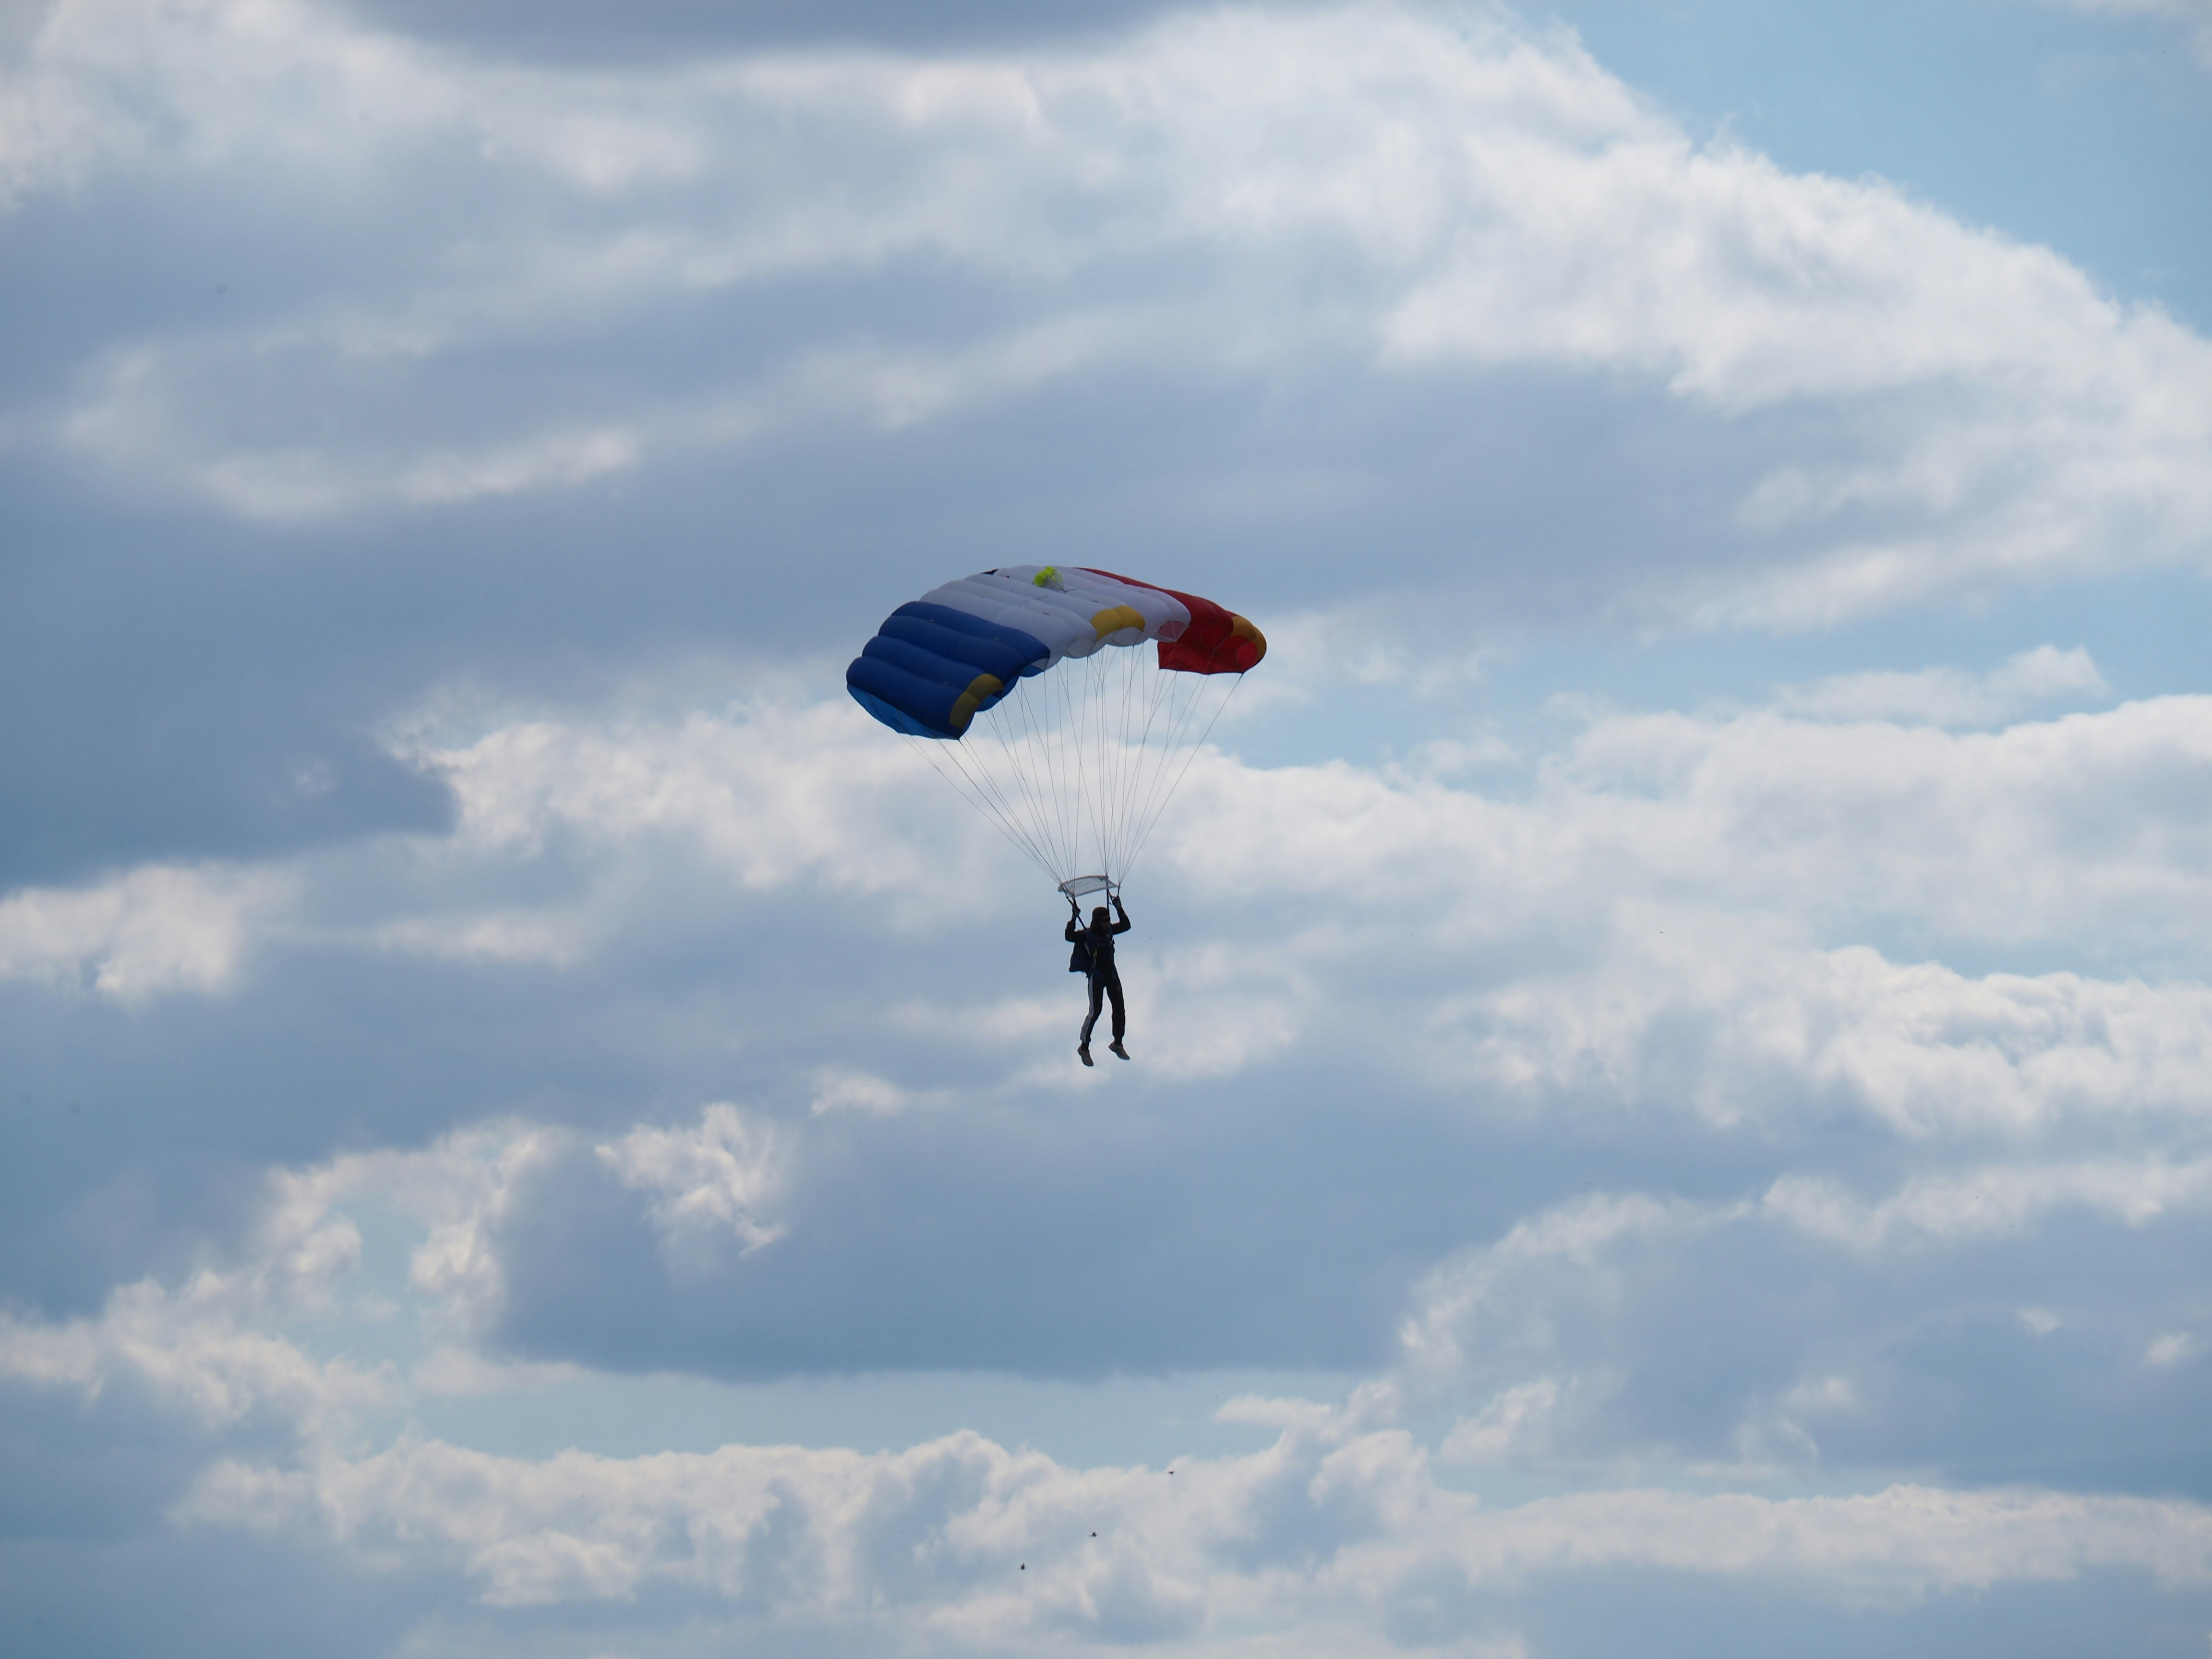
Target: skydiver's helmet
x=1098 y=917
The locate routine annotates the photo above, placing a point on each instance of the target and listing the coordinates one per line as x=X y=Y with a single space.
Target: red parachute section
x=1218 y=641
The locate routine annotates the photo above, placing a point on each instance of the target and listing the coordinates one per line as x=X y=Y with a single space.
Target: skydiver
x=1095 y=946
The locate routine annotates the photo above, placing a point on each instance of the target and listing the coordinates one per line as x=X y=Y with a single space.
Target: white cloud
x=236 y=1335
x=1896 y=1544
x=1664 y=915
x=1560 y=1344
x=706 y=1182
x=156 y=930
x=1946 y=697
x=1638 y=926
x=1514 y=1423
x=192 y=1349
x=2170 y=1349
x=1339 y=1526
x=464 y=1187
x=460 y=1190
x=2085 y=823
x=842 y=1088
x=207 y=1347
x=773 y=792
x=1485 y=194
x=1477 y=1302
x=556 y=940
x=964 y=1536
x=1925 y=1049
x=2197 y=15
x=1989 y=1202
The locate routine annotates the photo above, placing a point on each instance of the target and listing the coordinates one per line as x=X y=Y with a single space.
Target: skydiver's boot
x=1082 y=1053
x=1116 y=1045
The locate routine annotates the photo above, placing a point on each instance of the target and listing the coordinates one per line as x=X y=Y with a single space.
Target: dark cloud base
x=581 y=32
x=203 y=1596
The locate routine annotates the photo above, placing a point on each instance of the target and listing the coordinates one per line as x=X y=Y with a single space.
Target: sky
x=1671 y=1106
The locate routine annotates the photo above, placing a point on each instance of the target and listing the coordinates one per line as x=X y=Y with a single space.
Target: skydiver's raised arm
x=1122 y=926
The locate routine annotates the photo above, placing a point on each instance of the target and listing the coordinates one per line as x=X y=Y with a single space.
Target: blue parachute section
x=1029 y=652
x=931 y=668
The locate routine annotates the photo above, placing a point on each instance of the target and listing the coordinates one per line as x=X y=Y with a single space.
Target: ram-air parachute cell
x=1064 y=703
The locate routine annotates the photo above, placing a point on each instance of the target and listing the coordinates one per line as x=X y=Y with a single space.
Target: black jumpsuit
x=1105 y=981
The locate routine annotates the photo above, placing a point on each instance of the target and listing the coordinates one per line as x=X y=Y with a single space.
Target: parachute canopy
x=941 y=659
x=1073 y=749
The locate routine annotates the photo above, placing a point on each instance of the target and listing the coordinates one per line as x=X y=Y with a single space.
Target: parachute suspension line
x=1179 y=706
x=992 y=795
x=1092 y=792
x=1182 y=748
x=1221 y=709
x=1057 y=739
x=1109 y=755
x=1024 y=737
x=1091 y=750
x=1037 y=724
x=977 y=800
x=1044 y=720
x=1132 y=756
x=1076 y=769
x=1135 y=758
x=1078 y=764
x=975 y=767
x=1141 y=715
x=1069 y=753
x=1153 y=758
x=1011 y=807
x=1035 y=760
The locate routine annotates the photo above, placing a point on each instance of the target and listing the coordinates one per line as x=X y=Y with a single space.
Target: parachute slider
x=1076 y=887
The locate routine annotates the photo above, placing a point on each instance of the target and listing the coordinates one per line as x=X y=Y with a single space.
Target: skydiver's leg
x=1097 y=986
x=1120 y=1018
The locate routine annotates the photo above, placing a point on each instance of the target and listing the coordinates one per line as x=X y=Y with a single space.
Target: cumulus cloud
x=842 y=1089
x=155 y=930
x=749 y=789
x=211 y=1348
x=706 y=1181
x=1339 y=1526
x=2030 y=831
x=1989 y=1202
x=1679 y=869
x=1946 y=697
x=1718 y=1104
x=237 y=1333
x=1920 y=1047
x=1013 y=1549
x=1677 y=861
x=1561 y=1343
x=1468 y=195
